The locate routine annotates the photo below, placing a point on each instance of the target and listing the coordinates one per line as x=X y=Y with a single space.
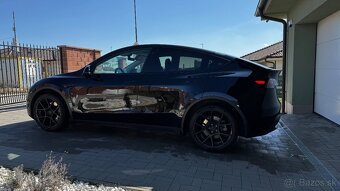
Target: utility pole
x=202 y=45
x=15 y=42
x=135 y=13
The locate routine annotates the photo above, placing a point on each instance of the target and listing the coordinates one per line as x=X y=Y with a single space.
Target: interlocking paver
x=166 y=161
x=189 y=188
x=210 y=186
x=197 y=182
x=204 y=173
x=231 y=180
x=319 y=135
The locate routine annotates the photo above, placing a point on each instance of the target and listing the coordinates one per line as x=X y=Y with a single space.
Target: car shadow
x=270 y=152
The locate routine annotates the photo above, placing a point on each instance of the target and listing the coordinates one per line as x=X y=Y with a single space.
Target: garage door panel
x=328 y=29
x=327 y=55
x=327 y=69
x=326 y=82
x=328 y=107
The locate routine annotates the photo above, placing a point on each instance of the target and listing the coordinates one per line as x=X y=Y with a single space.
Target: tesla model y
x=212 y=96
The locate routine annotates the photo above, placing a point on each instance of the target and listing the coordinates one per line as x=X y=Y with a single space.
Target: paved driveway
x=158 y=160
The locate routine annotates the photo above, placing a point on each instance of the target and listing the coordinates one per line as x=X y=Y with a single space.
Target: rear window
x=217 y=64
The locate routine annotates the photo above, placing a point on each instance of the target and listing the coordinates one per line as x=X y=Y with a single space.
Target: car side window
x=168 y=60
x=126 y=62
x=189 y=63
x=165 y=60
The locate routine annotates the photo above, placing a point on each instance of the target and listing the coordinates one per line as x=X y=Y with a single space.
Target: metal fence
x=21 y=66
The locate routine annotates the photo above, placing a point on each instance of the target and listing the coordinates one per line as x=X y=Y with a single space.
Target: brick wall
x=74 y=58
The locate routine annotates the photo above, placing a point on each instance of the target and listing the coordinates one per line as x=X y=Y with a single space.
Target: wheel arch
x=53 y=92
x=228 y=102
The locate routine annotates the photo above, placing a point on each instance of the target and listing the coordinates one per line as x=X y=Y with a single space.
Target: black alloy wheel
x=213 y=128
x=50 y=112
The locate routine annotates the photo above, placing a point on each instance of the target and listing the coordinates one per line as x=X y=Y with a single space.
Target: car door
x=110 y=88
x=169 y=83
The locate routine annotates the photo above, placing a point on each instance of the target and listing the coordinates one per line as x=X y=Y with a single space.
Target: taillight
x=260 y=82
x=272 y=83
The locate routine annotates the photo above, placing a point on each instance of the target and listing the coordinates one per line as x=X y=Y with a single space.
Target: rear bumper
x=263 y=126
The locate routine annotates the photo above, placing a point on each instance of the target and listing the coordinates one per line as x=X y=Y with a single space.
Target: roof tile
x=272 y=51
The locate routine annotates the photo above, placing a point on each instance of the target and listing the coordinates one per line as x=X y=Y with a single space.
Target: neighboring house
x=313 y=54
x=270 y=56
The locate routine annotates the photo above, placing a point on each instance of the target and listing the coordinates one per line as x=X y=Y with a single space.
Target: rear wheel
x=50 y=112
x=213 y=128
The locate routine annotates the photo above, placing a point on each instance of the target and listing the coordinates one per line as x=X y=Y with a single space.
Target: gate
x=21 y=66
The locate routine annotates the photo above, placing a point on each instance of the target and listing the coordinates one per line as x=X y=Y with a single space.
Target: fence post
x=61 y=59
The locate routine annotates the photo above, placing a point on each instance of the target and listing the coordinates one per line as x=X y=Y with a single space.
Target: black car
x=214 y=97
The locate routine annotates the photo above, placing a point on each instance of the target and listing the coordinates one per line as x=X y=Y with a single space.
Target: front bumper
x=29 y=105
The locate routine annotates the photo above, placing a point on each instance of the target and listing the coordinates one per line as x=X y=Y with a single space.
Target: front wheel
x=50 y=112
x=213 y=128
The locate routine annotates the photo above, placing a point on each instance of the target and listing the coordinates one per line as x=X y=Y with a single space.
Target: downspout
x=272 y=62
x=284 y=53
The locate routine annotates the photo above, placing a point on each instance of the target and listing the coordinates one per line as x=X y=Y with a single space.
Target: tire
x=213 y=128
x=50 y=112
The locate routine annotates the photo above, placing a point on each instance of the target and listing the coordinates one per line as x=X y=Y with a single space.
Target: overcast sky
x=226 y=26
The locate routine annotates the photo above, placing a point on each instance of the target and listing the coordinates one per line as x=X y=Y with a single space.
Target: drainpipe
x=272 y=62
x=284 y=54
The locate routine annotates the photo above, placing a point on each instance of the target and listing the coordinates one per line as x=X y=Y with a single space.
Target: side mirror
x=87 y=71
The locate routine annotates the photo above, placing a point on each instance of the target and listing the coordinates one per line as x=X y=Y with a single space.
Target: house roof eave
x=272 y=50
x=260 y=5
x=274 y=8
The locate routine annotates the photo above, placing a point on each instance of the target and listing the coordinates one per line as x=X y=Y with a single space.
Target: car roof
x=180 y=47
